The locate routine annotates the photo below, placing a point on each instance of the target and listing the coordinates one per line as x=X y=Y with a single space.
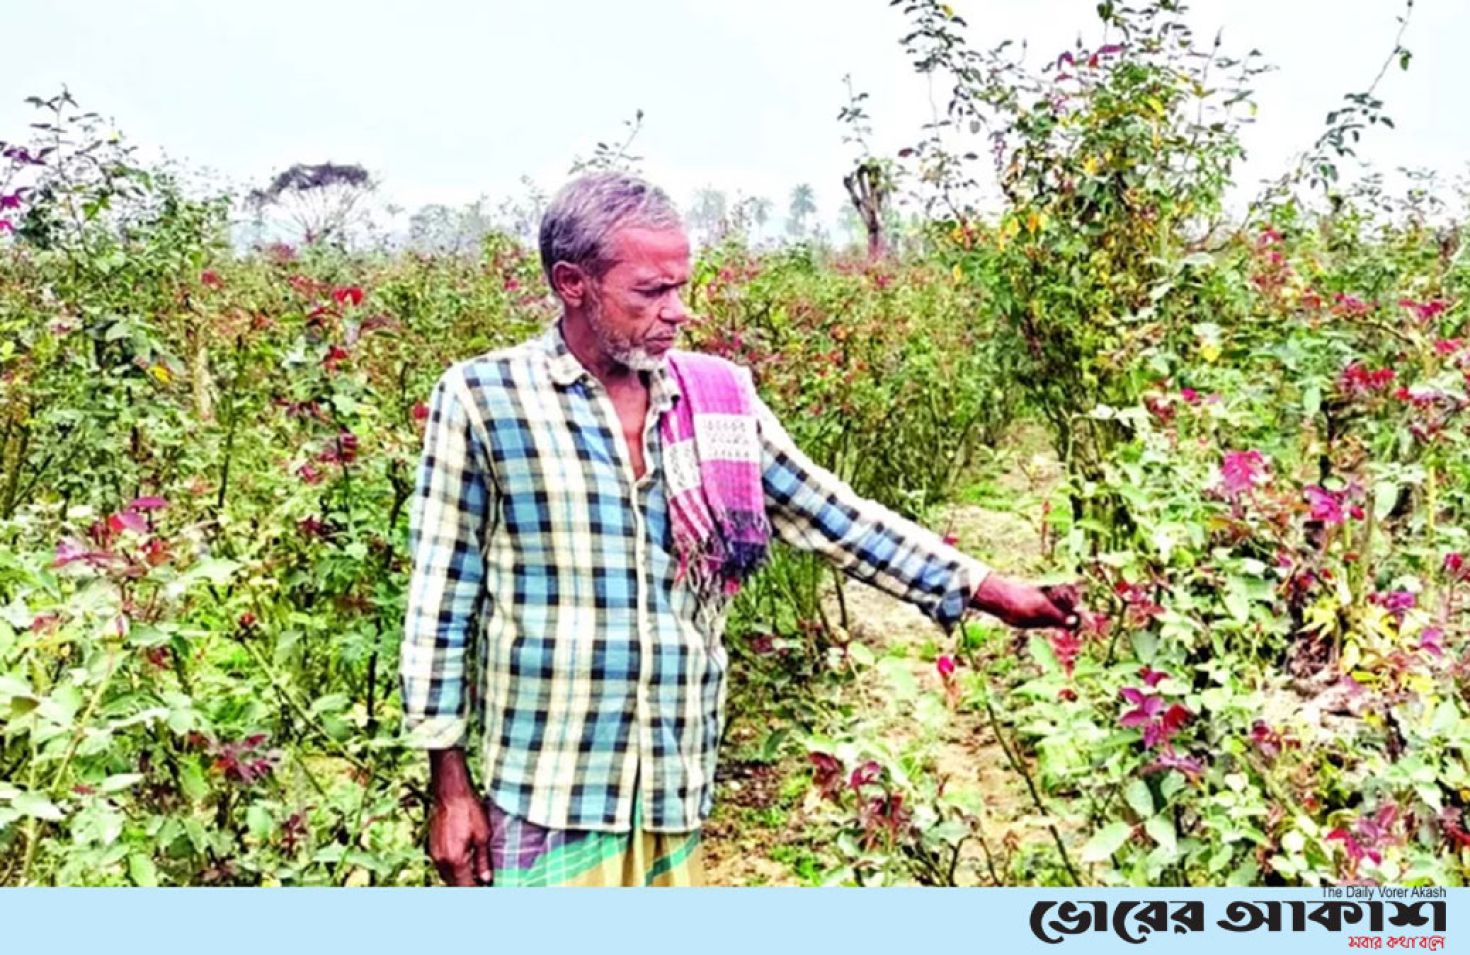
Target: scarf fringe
x=719 y=546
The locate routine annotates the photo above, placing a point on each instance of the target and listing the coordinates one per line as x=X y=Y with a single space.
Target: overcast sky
x=444 y=100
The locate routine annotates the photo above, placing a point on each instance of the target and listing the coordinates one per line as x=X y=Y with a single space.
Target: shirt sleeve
x=448 y=521
x=811 y=509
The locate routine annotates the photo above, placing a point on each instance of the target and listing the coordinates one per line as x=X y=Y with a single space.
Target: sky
x=447 y=100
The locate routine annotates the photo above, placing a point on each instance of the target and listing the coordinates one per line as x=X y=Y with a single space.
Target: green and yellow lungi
x=525 y=854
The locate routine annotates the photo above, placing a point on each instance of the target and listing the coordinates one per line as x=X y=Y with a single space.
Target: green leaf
x=216 y=570
x=1243 y=874
x=258 y=821
x=142 y=870
x=191 y=780
x=1236 y=600
x=37 y=806
x=336 y=727
x=952 y=832
x=771 y=746
x=1109 y=839
x=899 y=675
x=21 y=705
x=1139 y=799
x=1446 y=718
x=10 y=686
x=1385 y=496
x=1312 y=399
x=331 y=703
x=1161 y=830
x=120 y=781
x=1041 y=652
x=861 y=654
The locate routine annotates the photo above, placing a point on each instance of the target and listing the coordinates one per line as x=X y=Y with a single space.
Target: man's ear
x=569 y=283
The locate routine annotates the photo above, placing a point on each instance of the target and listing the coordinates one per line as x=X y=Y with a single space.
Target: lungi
x=525 y=854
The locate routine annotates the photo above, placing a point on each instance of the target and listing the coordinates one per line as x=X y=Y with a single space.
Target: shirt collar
x=563 y=365
x=565 y=368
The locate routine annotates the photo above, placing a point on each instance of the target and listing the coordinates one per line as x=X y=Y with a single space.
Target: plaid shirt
x=543 y=600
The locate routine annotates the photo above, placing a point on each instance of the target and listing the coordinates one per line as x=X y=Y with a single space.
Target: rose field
x=1082 y=350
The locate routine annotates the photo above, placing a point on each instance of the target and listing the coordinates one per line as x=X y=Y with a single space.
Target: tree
x=870 y=185
x=321 y=200
x=748 y=215
x=760 y=211
x=439 y=228
x=522 y=216
x=803 y=203
x=709 y=213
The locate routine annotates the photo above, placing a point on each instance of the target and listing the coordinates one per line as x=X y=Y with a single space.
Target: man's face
x=637 y=307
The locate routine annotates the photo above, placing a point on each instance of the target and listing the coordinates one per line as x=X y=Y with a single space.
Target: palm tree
x=803 y=204
x=709 y=213
x=760 y=211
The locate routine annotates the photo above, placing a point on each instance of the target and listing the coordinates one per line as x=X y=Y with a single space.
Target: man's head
x=615 y=253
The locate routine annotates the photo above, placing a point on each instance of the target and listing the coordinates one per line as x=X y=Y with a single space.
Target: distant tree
x=709 y=213
x=522 y=217
x=322 y=201
x=454 y=231
x=870 y=185
x=803 y=204
x=852 y=224
x=434 y=228
x=760 y=211
x=747 y=216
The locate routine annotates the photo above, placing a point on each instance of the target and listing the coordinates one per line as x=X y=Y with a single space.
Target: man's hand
x=459 y=829
x=1023 y=605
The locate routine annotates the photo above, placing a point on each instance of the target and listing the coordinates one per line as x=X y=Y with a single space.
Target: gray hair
x=582 y=217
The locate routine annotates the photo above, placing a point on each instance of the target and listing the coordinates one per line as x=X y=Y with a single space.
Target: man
x=574 y=552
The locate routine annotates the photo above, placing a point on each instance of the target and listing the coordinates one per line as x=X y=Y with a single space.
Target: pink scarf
x=712 y=465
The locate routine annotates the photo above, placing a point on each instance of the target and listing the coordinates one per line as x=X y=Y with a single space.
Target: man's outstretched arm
x=812 y=509
x=447 y=523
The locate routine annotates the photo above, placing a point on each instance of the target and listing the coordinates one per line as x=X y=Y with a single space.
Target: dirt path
x=757 y=837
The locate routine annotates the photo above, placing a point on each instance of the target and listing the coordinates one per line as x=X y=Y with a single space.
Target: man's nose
x=674 y=311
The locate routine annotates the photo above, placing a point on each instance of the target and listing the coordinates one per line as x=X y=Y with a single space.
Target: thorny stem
x=1014 y=759
x=985 y=848
x=355 y=832
x=300 y=710
x=32 y=824
x=71 y=749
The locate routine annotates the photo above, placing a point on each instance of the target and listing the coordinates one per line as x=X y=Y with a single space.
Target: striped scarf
x=712 y=459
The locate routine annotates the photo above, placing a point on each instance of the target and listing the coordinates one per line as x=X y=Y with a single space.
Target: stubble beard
x=620 y=350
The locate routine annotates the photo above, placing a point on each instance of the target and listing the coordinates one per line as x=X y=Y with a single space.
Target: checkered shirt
x=543 y=604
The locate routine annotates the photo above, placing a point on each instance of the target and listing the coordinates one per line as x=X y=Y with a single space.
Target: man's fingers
x=456 y=869
x=448 y=873
x=463 y=873
x=486 y=871
x=1064 y=599
x=1064 y=596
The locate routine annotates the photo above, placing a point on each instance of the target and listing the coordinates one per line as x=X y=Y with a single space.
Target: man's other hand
x=459 y=829
x=1024 y=605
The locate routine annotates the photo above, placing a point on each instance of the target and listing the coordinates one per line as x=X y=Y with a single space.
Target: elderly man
x=587 y=503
